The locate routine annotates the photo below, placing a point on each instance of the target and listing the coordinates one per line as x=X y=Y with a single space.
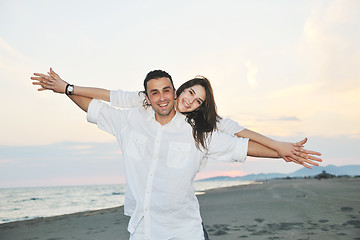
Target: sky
x=286 y=69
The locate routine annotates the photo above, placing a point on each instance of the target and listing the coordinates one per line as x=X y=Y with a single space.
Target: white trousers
x=190 y=235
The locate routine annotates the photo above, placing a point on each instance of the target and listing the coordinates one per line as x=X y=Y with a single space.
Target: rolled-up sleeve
x=226 y=148
x=93 y=111
x=229 y=126
x=126 y=99
x=241 y=149
x=107 y=118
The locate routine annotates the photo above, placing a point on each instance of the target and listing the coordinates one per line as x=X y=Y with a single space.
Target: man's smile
x=163 y=105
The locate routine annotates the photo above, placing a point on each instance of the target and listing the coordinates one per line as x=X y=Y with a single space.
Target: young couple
x=165 y=136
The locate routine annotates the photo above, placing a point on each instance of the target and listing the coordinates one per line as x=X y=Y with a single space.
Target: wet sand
x=278 y=209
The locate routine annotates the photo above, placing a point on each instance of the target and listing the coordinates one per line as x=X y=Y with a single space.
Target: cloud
x=80 y=146
x=290 y=118
x=252 y=71
x=9 y=49
x=330 y=44
x=9 y=55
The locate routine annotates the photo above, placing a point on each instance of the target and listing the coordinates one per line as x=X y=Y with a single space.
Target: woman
x=195 y=100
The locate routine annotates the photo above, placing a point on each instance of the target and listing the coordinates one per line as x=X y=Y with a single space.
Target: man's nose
x=162 y=97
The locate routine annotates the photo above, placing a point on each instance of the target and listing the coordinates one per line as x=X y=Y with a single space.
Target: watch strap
x=67 y=92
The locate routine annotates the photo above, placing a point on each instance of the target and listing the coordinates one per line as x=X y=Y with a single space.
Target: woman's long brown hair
x=202 y=120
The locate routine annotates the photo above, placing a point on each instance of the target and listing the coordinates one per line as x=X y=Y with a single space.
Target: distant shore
x=277 y=209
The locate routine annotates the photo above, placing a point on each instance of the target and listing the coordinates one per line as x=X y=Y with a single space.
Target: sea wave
x=28 y=203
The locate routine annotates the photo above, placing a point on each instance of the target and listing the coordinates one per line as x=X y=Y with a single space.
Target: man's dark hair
x=155 y=75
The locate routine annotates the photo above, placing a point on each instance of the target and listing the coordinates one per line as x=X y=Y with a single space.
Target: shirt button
x=146 y=209
x=150 y=174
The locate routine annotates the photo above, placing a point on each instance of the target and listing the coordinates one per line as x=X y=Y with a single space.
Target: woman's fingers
x=302 y=142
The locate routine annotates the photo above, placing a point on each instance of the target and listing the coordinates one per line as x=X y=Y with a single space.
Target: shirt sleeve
x=229 y=126
x=126 y=99
x=106 y=117
x=226 y=148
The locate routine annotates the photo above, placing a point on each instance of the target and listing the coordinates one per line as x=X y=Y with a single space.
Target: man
x=161 y=160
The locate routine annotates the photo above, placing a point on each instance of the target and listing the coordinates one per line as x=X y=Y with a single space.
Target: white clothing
x=139 y=234
x=131 y=99
x=160 y=164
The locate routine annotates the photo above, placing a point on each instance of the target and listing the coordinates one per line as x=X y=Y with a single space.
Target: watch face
x=70 y=89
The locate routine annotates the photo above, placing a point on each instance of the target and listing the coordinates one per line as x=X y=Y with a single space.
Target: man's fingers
x=302 y=162
x=306 y=165
x=298 y=162
x=305 y=151
x=54 y=73
x=43 y=89
x=47 y=85
x=315 y=158
x=303 y=158
x=42 y=76
x=310 y=152
x=308 y=155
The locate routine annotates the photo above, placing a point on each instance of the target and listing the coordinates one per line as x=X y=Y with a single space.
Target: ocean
x=17 y=204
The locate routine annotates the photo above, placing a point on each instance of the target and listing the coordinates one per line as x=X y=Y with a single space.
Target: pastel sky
x=286 y=69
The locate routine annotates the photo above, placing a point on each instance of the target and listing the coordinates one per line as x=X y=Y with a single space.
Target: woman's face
x=191 y=99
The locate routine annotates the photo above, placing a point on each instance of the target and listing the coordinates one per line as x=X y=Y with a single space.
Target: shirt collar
x=177 y=120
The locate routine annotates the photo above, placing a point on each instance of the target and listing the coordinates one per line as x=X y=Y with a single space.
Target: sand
x=277 y=209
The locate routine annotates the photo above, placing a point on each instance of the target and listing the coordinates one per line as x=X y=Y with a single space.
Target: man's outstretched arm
x=43 y=80
x=303 y=158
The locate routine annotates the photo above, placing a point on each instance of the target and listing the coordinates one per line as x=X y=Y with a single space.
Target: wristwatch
x=69 y=89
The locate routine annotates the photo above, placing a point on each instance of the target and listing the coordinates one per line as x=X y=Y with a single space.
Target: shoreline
x=35 y=203
x=276 y=209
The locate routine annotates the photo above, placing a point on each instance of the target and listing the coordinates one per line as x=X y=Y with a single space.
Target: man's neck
x=163 y=120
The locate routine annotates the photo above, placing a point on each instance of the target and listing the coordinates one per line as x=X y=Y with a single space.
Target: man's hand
x=295 y=152
x=49 y=82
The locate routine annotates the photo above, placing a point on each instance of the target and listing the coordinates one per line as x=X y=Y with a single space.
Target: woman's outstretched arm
x=285 y=150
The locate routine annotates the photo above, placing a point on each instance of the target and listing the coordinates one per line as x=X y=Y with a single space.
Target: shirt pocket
x=178 y=154
x=136 y=145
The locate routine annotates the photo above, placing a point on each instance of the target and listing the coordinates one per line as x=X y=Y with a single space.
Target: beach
x=274 y=209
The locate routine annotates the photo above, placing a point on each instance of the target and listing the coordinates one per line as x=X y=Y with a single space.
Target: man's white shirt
x=130 y=99
x=161 y=163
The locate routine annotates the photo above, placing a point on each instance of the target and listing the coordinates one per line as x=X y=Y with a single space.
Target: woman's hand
x=295 y=152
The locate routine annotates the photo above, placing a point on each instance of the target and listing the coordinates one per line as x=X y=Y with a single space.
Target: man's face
x=161 y=96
